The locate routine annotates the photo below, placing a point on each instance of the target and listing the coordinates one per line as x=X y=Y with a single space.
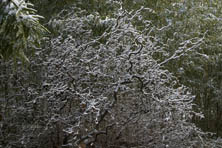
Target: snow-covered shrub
x=97 y=83
x=114 y=87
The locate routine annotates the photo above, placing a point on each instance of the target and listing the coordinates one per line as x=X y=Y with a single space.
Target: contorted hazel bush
x=116 y=88
x=100 y=86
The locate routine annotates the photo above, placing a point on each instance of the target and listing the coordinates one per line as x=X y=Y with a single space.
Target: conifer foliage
x=20 y=29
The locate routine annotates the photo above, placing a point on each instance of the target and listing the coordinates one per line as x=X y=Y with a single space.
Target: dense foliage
x=19 y=29
x=112 y=74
